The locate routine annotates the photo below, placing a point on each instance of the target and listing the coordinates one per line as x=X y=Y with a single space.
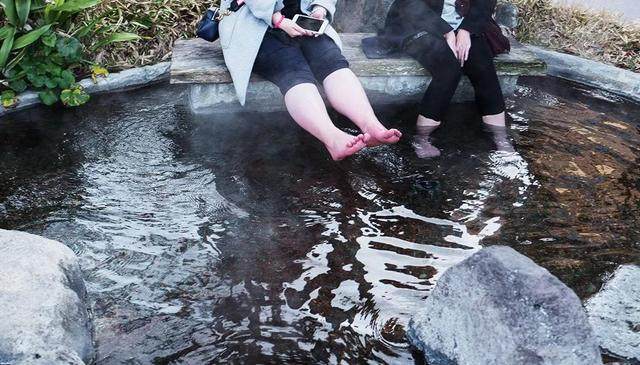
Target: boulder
x=44 y=317
x=361 y=16
x=507 y=15
x=614 y=313
x=499 y=307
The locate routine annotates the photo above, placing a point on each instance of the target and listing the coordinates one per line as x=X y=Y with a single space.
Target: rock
x=614 y=313
x=499 y=307
x=44 y=318
x=361 y=16
x=507 y=15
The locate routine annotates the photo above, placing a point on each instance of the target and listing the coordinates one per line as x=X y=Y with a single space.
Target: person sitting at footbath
x=262 y=36
x=449 y=38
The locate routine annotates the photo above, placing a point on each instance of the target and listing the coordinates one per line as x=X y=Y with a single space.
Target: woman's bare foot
x=500 y=136
x=344 y=145
x=381 y=135
x=422 y=142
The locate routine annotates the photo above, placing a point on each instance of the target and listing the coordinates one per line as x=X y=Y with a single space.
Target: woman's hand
x=293 y=29
x=451 y=41
x=319 y=12
x=463 y=45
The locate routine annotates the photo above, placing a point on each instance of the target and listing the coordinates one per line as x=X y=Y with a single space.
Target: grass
x=571 y=30
x=589 y=34
x=159 y=22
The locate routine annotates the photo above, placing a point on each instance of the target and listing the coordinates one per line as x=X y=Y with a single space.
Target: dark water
x=235 y=239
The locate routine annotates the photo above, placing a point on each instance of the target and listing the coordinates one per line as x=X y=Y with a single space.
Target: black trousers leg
x=482 y=73
x=434 y=54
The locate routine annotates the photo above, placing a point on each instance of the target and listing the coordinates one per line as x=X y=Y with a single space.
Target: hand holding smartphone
x=314 y=25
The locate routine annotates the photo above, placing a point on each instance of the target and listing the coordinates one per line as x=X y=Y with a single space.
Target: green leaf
x=116 y=37
x=69 y=48
x=22 y=11
x=73 y=6
x=10 y=11
x=36 y=80
x=74 y=97
x=30 y=37
x=87 y=29
x=48 y=97
x=6 y=47
x=4 y=31
x=18 y=85
x=50 y=83
x=49 y=39
x=14 y=62
x=8 y=99
x=67 y=78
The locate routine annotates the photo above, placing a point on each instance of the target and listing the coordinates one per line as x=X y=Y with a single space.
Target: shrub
x=42 y=49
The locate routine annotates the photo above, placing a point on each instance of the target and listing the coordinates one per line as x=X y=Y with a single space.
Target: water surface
x=235 y=238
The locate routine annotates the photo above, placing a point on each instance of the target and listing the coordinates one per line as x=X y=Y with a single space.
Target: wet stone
x=528 y=316
x=44 y=318
x=614 y=313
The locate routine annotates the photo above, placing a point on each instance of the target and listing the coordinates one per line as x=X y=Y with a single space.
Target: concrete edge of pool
x=595 y=74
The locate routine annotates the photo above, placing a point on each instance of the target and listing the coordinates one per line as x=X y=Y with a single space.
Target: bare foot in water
x=382 y=135
x=344 y=145
x=500 y=136
x=422 y=142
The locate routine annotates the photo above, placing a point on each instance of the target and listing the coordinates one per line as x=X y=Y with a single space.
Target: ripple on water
x=235 y=239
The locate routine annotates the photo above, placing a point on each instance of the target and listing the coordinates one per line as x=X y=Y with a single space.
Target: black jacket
x=407 y=18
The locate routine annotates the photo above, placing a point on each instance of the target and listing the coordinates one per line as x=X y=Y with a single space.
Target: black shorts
x=288 y=62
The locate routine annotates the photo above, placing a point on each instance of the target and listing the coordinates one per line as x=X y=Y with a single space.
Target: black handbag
x=209 y=26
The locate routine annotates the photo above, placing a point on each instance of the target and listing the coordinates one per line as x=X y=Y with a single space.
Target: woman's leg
x=434 y=54
x=489 y=99
x=281 y=61
x=306 y=107
x=346 y=95
x=343 y=89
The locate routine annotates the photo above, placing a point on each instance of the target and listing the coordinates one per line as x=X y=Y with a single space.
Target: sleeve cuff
x=329 y=5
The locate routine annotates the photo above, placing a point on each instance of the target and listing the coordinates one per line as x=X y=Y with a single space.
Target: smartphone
x=317 y=26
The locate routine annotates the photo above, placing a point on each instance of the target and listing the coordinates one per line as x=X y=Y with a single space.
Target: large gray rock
x=361 y=16
x=43 y=315
x=614 y=313
x=499 y=307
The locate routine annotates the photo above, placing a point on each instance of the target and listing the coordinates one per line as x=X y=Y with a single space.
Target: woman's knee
x=448 y=74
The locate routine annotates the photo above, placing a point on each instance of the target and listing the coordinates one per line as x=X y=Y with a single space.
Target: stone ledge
x=125 y=80
x=591 y=73
x=196 y=61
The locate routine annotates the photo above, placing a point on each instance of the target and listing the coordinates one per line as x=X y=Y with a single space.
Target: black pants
x=288 y=62
x=435 y=55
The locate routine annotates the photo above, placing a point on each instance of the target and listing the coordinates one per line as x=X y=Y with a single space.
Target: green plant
x=38 y=49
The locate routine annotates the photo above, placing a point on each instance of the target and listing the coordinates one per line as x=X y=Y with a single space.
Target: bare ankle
x=427 y=122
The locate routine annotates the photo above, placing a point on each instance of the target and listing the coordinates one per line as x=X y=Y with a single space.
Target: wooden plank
x=199 y=62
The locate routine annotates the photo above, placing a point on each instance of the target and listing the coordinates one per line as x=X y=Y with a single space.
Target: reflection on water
x=236 y=239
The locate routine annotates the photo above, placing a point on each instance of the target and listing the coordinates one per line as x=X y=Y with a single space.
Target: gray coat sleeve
x=330 y=5
x=262 y=9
